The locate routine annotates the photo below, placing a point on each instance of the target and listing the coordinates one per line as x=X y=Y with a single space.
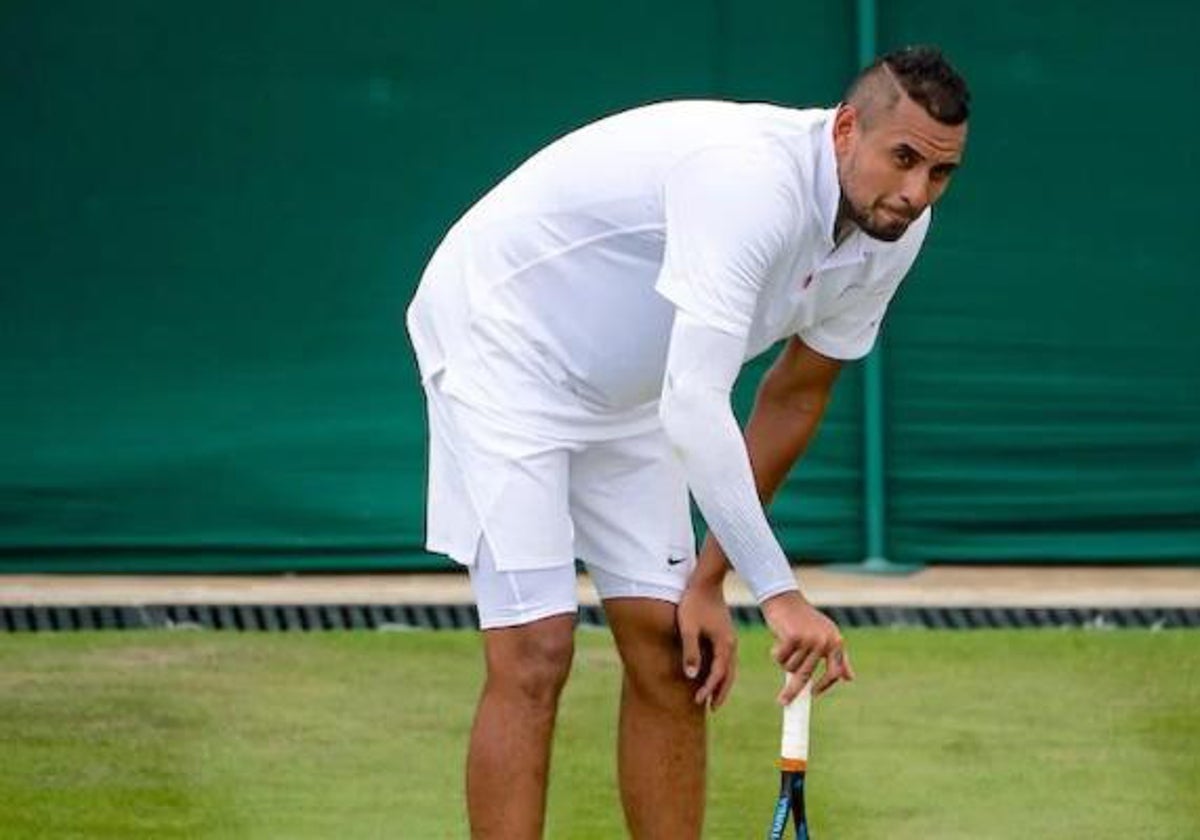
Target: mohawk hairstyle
x=924 y=74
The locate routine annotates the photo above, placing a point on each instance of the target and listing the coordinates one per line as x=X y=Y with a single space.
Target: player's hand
x=709 y=642
x=804 y=637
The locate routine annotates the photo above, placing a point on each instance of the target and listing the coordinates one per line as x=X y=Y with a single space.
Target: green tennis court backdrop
x=214 y=217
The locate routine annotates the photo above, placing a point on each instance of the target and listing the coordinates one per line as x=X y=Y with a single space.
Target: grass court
x=985 y=734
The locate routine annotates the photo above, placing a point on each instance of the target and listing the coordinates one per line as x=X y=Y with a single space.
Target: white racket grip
x=795 y=726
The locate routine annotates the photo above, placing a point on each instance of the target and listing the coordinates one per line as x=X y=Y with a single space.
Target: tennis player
x=578 y=332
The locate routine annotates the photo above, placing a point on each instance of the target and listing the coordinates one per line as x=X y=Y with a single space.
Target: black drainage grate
x=316 y=617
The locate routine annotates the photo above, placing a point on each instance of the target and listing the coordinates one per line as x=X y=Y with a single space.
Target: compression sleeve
x=702 y=364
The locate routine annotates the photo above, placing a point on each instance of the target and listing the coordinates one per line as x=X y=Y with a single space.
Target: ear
x=845 y=126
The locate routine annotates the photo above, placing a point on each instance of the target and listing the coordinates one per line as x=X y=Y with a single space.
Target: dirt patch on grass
x=148 y=657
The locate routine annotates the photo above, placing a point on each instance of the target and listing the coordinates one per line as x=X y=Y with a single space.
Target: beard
x=880 y=223
x=877 y=220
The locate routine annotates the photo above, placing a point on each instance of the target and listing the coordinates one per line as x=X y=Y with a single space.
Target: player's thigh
x=629 y=506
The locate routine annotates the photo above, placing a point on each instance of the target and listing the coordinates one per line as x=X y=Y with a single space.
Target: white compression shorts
x=509 y=599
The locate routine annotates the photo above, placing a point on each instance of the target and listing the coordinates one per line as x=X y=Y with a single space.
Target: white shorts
x=513 y=507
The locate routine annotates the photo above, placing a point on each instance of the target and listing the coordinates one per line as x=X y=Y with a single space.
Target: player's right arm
x=730 y=212
x=791 y=400
x=697 y=415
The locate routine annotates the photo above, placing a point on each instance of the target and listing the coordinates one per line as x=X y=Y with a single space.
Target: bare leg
x=509 y=758
x=662 y=748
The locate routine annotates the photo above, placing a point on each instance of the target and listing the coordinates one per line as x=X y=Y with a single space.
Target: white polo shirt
x=549 y=305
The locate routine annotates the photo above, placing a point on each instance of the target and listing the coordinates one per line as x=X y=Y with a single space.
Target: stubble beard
x=862 y=219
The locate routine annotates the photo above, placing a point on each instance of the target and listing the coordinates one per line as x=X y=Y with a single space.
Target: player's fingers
x=726 y=685
x=801 y=656
x=690 y=637
x=846 y=666
x=724 y=656
x=716 y=673
x=792 y=687
x=717 y=666
x=783 y=651
x=827 y=681
x=833 y=672
x=798 y=678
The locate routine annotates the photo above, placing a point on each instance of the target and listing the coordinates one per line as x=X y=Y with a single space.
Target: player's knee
x=658 y=681
x=653 y=666
x=536 y=668
x=540 y=675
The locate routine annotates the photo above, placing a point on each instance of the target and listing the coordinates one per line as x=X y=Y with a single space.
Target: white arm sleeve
x=702 y=364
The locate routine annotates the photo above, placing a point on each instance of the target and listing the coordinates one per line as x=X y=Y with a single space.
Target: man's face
x=894 y=165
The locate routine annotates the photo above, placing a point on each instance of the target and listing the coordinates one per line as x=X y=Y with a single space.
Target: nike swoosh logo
x=675 y=561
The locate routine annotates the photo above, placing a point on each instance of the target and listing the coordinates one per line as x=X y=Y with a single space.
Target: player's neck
x=842 y=229
x=843 y=226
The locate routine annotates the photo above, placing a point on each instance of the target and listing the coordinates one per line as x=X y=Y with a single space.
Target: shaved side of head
x=874 y=94
x=920 y=73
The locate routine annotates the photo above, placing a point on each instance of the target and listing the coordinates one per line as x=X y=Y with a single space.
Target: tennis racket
x=793 y=762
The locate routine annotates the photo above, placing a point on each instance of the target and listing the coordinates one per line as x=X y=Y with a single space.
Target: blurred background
x=215 y=214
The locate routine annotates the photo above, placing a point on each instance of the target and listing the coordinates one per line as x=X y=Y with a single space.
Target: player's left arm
x=788 y=408
x=787 y=411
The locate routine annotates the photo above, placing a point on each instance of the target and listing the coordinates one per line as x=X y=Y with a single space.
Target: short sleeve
x=730 y=213
x=851 y=331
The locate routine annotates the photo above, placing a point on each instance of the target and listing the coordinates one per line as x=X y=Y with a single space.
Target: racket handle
x=793 y=749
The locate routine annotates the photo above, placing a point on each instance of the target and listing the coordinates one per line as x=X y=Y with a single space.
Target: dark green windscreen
x=214 y=217
x=1044 y=362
